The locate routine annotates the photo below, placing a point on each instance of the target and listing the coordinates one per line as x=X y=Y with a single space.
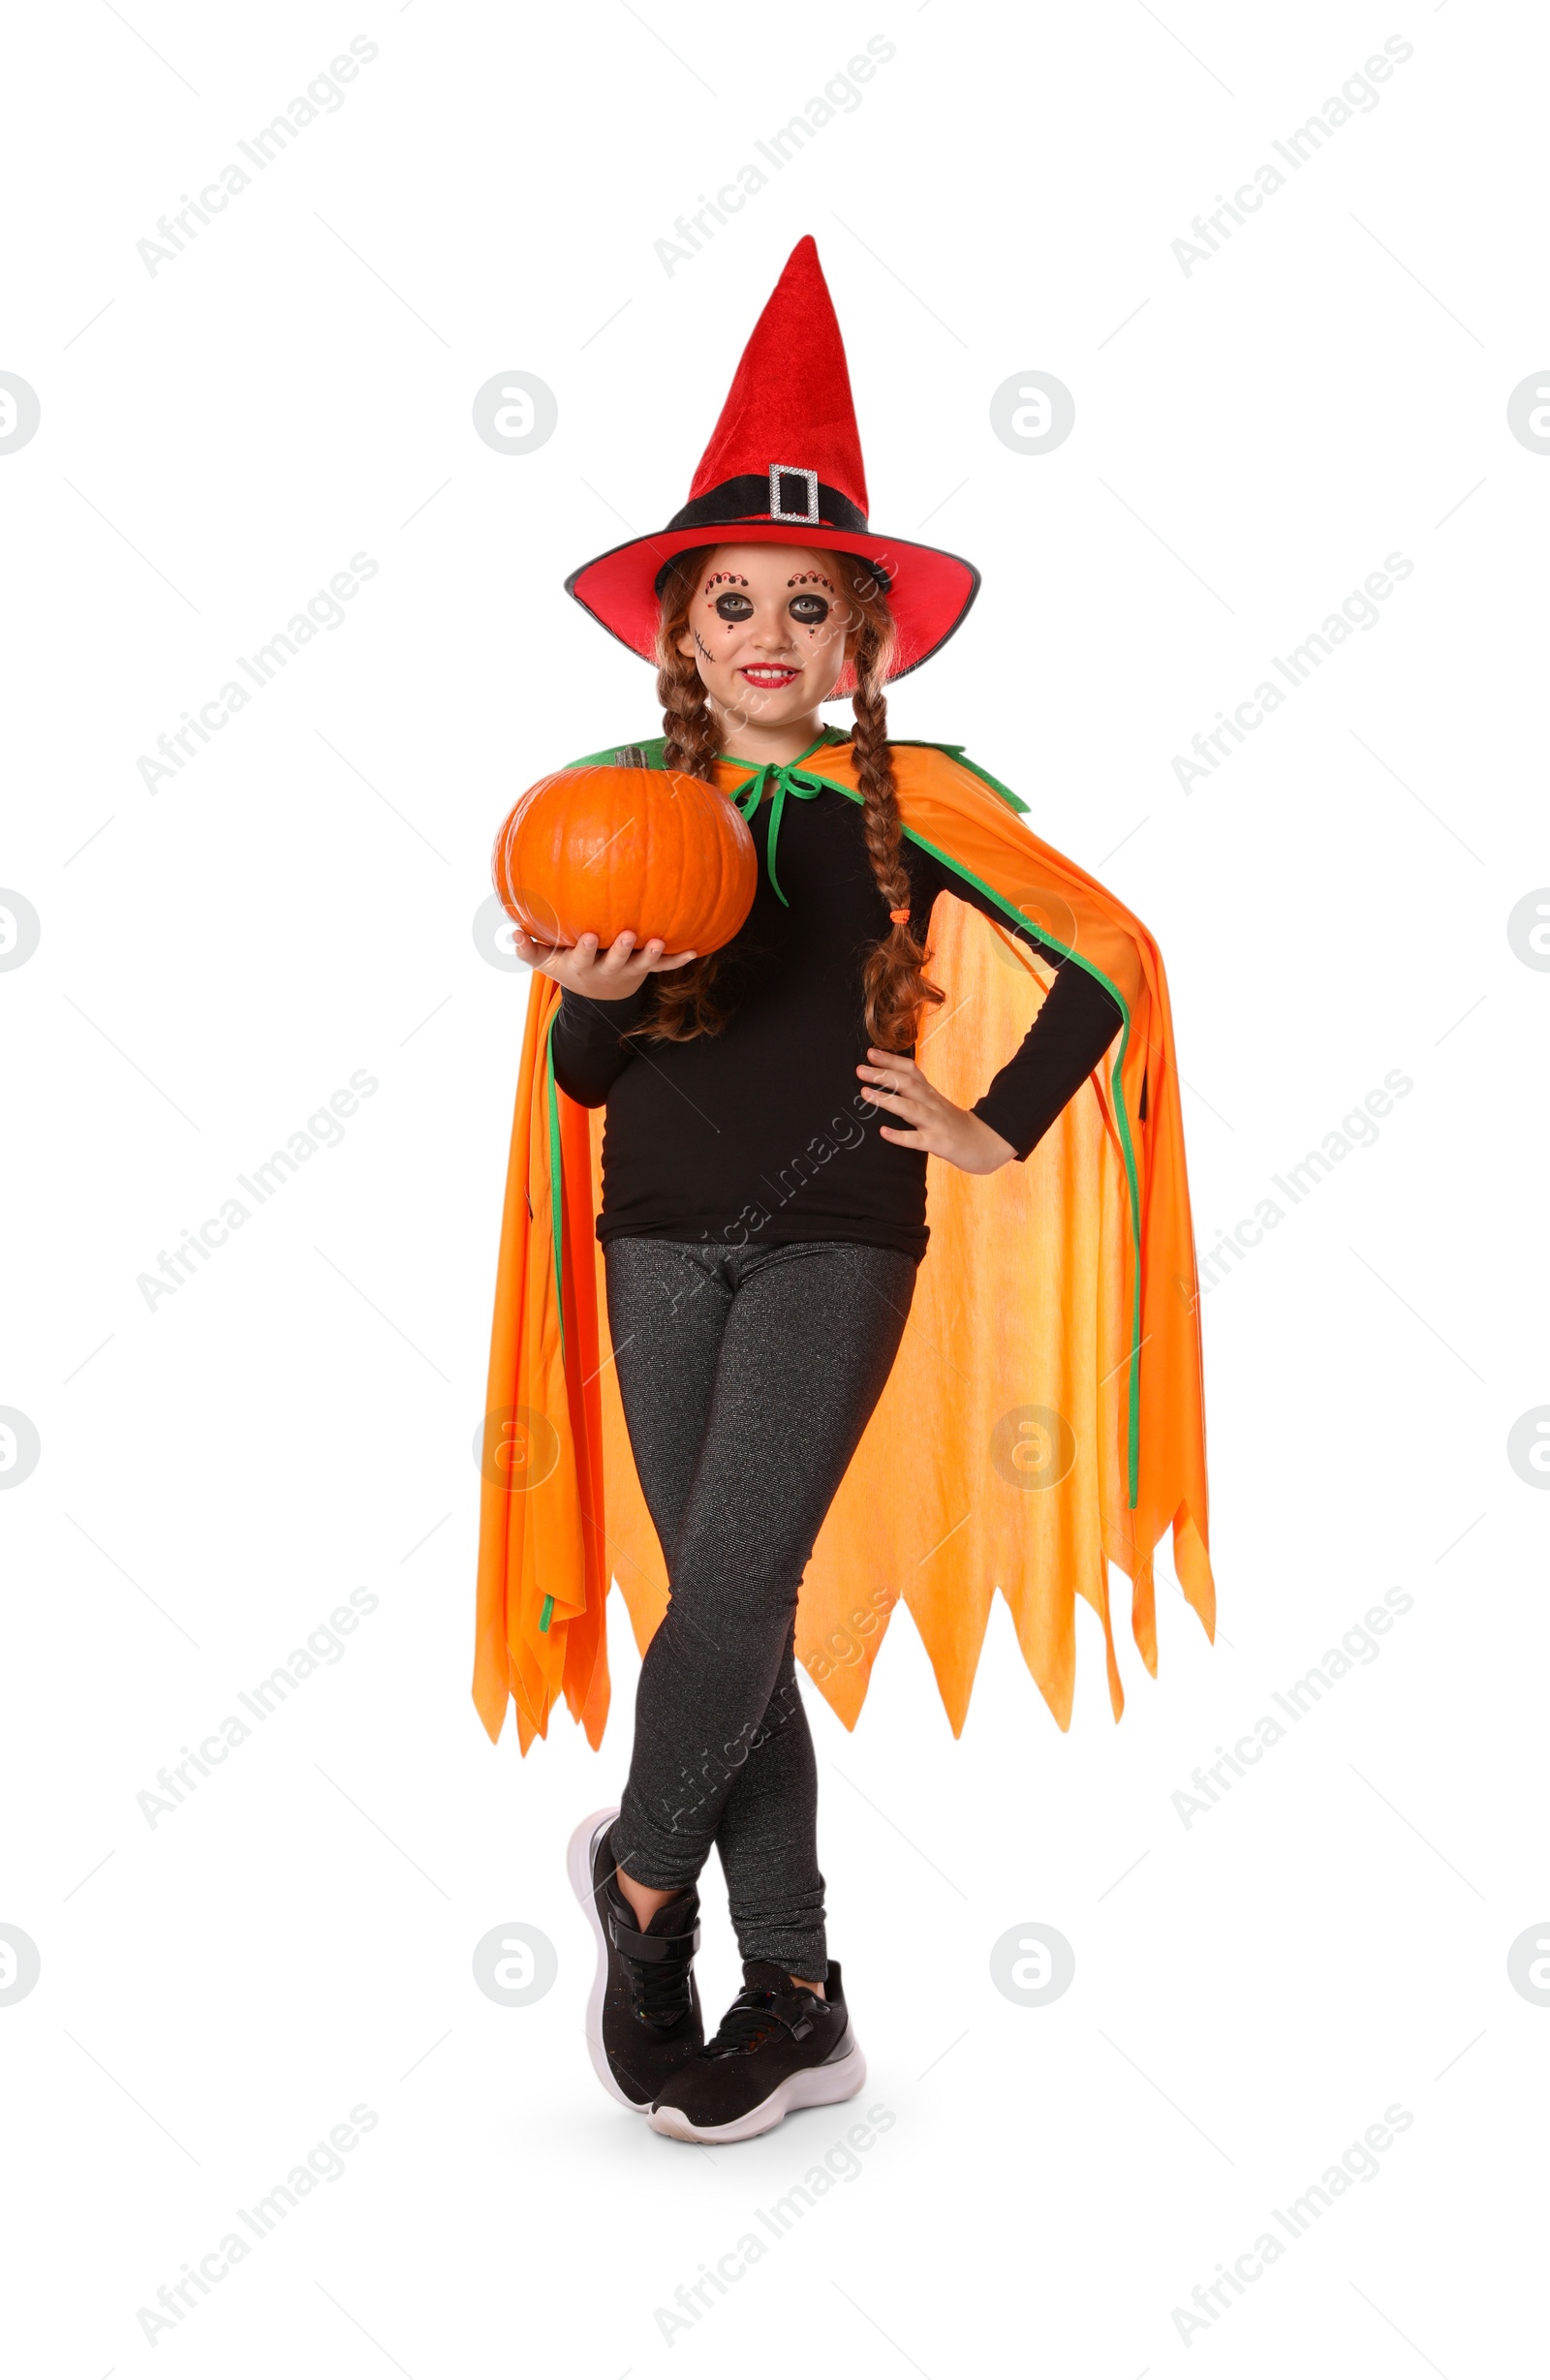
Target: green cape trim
x=650 y=755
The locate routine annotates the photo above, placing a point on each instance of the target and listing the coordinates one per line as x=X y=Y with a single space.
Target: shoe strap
x=792 y=2010
x=789 y=2009
x=654 y=1949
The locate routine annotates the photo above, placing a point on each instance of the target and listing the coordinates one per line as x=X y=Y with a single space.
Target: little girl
x=764 y=1217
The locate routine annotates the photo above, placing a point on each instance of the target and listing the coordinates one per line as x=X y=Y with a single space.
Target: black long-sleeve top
x=764 y=1132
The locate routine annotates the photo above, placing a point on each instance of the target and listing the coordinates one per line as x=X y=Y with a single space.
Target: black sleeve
x=589 y=1055
x=1062 y=1046
x=1064 y=1042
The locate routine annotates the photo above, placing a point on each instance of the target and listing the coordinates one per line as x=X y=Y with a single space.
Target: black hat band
x=785 y=494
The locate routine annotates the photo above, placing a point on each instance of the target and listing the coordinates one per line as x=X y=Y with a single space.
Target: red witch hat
x=784 y=468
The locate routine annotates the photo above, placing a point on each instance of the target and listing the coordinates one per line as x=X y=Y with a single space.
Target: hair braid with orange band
x=685 y=1003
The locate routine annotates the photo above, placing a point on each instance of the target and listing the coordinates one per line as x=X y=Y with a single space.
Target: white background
x=1253 y=1990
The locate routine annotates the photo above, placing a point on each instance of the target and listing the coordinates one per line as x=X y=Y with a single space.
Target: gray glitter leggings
x=747 y=1376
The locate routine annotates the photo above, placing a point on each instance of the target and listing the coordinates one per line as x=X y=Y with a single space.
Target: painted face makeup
x=767 y=628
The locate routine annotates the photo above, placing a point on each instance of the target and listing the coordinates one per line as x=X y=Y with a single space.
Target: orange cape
x=1043 y=1417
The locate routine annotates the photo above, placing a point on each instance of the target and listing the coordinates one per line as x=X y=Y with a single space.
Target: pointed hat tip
x=790 y=402
x=803 y=258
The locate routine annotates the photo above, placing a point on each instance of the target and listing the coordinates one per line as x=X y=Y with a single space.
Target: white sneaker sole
x=809 y=2087
x=578 y=1867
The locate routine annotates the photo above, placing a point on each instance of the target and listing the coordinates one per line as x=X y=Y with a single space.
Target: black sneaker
x=778 y=2047
x=643 y=2015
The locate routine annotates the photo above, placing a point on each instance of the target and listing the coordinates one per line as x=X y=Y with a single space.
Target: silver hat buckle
x=792 y=470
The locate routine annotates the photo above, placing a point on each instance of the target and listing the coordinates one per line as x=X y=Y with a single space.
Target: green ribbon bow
x=790 y=778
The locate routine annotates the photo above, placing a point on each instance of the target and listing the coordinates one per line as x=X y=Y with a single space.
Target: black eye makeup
x=732 y=603
x=807 y=607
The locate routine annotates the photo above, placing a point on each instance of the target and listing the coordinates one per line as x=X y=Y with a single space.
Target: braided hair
x=686 y=1000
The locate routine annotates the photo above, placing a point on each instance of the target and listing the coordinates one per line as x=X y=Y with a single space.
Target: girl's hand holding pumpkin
x=930 y=1121
x=599 y=975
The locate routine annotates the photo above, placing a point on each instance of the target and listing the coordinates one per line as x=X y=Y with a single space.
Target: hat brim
x=930 y=591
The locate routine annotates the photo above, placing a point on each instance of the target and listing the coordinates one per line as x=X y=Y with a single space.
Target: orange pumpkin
x=606 y=850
